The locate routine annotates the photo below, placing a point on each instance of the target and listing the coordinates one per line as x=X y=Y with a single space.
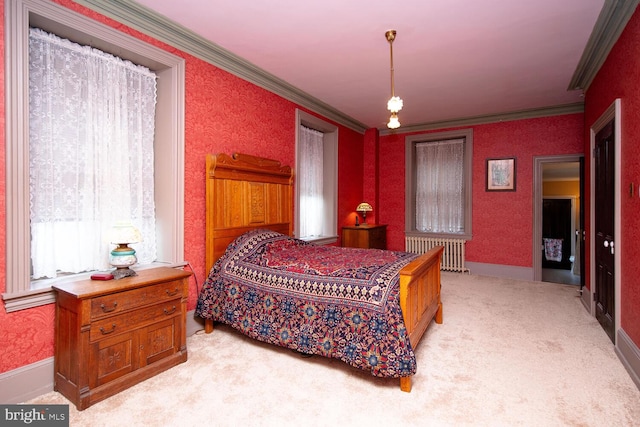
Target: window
x=310 y=180
x=316 y=179
x=75 y=195
x=168 y=144
x=438 y=183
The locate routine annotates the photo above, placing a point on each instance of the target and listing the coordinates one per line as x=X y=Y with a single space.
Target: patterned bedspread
x=326 y=300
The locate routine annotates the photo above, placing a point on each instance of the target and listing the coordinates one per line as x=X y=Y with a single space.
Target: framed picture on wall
x=501 y=174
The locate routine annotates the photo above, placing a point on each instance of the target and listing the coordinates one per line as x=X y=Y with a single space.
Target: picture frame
x=501 y=174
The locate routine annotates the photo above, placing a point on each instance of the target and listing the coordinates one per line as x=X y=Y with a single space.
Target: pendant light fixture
x=394 y=105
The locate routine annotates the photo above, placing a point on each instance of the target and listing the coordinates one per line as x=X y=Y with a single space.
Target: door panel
x=604 y=167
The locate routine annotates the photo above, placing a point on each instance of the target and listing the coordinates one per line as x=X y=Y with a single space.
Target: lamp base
x=121 y=273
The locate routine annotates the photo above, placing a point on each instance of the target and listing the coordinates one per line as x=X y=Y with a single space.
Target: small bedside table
x=365 y=236
x=110 y=335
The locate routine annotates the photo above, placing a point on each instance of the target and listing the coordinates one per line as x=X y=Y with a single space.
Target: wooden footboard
x=420 y=298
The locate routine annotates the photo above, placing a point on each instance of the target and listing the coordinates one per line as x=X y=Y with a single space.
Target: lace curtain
x=90 y=154
x=310 y=180
x=440 y=186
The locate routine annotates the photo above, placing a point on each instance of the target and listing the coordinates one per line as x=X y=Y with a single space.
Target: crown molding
x=490 y=118
x=157 y=26
x=612 y=19
x=611 y=22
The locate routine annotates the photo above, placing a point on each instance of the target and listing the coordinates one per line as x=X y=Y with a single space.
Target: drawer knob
x=105 y=309
x=175 y=292
x=105 y=332
x=167 y=312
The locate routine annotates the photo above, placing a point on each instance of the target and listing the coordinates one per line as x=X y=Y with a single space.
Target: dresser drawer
x=115 y=303
x=126 y=322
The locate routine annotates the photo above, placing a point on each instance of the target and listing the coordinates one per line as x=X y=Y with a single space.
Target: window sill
x=42 y=294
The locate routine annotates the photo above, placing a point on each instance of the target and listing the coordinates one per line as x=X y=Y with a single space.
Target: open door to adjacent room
x=557 y=233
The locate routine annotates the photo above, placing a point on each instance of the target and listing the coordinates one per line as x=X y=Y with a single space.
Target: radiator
x=452 y=257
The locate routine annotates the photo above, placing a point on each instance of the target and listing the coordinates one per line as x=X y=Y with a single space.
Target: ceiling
x=452 y=58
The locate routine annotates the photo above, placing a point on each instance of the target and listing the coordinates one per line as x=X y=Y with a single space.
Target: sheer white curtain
x=310 y=180
x=90 y=154
x=440 y=186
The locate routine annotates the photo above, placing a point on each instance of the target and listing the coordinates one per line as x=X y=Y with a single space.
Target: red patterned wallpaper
x=227 y=114
x=371 y=174
x=618 y=78
x=222 y=114
x=350 y=176
x=502 y=221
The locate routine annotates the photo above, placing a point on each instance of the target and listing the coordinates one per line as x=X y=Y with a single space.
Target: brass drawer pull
x=175 y=292
x=113 y=328
x=168 y=312
x=108 y=310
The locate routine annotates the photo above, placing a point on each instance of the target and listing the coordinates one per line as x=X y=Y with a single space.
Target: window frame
x=330 y=177
x=20 y=292
x=410 y=177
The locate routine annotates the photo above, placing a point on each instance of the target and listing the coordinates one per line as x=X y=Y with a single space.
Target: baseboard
x=629 y=355
x=30 y=381
x=499 y=270
x=27 y=382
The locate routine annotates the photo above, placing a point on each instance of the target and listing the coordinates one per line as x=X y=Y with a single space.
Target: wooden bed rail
x=420 y=298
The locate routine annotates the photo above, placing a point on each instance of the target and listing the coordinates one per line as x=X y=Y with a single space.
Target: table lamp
x=123 y=256
x=364 y=208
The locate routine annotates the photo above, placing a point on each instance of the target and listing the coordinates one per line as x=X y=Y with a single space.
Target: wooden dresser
x=110 y=335
x=365 y=236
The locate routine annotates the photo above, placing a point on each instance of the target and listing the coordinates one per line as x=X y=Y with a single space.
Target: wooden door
x=604 y=165
x=159 y=340
x=581 y=234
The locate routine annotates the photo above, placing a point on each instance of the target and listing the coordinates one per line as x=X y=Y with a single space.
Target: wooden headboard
x=245 y=192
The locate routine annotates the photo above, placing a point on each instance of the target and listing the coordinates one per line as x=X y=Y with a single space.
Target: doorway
x=560 y=259
x=558 y=249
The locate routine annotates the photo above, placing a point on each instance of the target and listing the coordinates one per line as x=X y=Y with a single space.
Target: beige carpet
x=508 y=353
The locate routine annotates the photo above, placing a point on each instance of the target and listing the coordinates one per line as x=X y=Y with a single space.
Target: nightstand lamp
x=123 y=257
x=364 y=208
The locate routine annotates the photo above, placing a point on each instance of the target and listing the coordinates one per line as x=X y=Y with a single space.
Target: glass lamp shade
x=394 y=123
x=394 y=104
x=364 y=208
x=123 y=256
x=124 y=233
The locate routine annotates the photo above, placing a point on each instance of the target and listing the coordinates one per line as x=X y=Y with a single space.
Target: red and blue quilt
x=325 y=300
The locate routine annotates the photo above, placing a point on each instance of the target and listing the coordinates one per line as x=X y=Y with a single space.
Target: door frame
x=538 y=162
x=613 y=112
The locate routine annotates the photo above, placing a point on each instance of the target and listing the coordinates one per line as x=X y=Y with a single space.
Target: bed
x=366 y=307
